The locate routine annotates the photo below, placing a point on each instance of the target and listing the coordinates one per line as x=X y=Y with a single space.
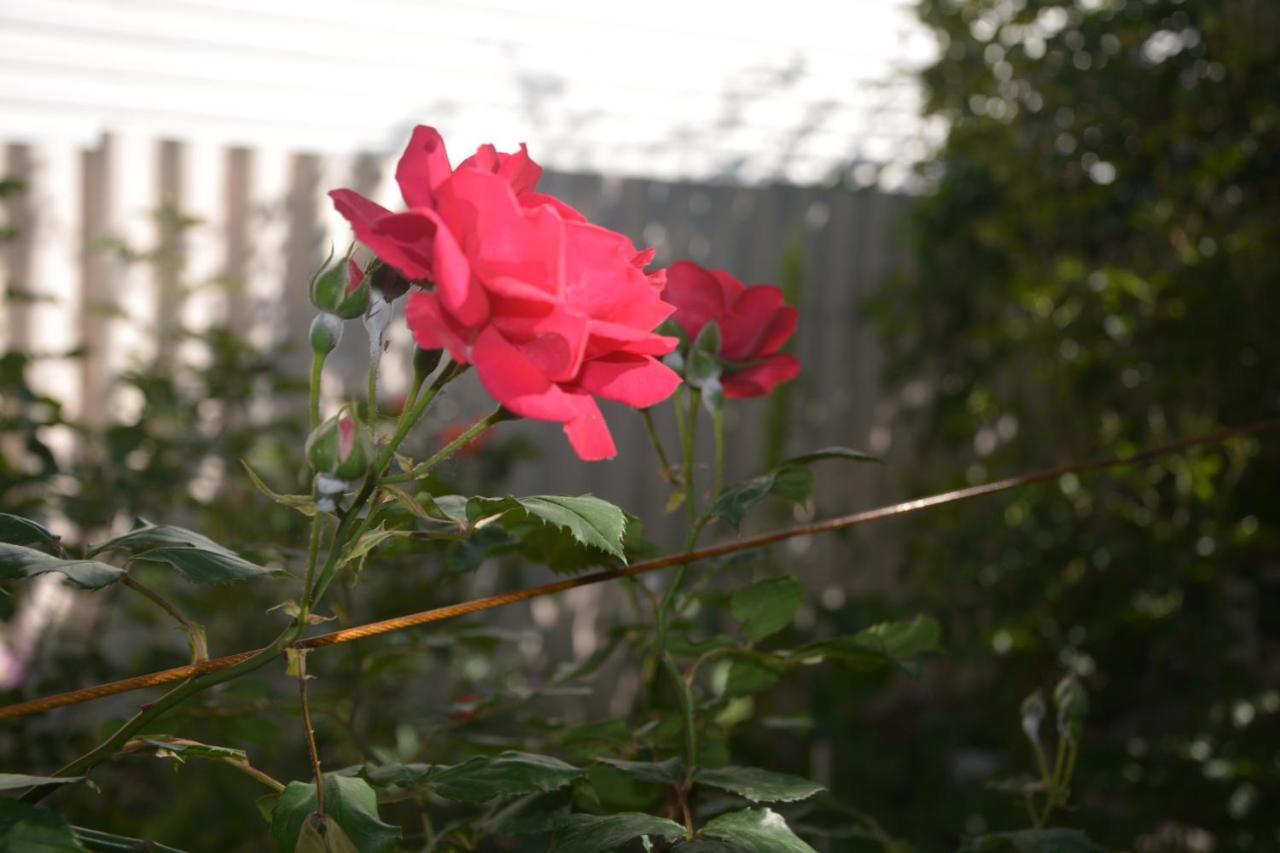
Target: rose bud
x=339 y=447
x=326 y=333
x=343 y=289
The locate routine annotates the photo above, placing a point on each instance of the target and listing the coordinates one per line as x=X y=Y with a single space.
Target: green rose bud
x=343 y=289
x=1072 y=703
x=339 y=447
x=326 y=333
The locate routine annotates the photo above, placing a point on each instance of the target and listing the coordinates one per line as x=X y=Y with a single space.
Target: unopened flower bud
x=388 y=281
x=326 y=333
x=1072 y=703
x=343 y=289
x=339 y=448
x=1033 y=713
x=425 y=361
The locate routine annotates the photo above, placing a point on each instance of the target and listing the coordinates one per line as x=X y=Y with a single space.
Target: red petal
x=746 y=326
x=587 y=431
x=636 y=381
x=759 y=379
x=615 y=337
x=696 y=295
x=431 y=327
x=516 y=382
x=423 y=167
x=407 y=246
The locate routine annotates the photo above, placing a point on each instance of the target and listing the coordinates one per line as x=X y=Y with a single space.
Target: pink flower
x=754 y=324
x=552 y=310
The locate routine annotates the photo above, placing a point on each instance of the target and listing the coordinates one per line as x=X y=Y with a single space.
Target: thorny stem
x=656 y=440
x=195 y=631
x=254 y=773
x=717 y=421
x=300 y=660
x=317 y=374
x=372 y=408
x=472 y=432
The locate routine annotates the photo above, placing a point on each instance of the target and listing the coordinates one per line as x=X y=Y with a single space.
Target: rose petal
x=423 y=167
x=431 y=328
x=746 y=325
x=696 y=295
x=516 y=382
x=759 y=379
x=587 y=431
x=637 y=381
x=408 y=247
x=614 y=337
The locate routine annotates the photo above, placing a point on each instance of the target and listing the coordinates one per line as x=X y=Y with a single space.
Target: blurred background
x=1020 y=232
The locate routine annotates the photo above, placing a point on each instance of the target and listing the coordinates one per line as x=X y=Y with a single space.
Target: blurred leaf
x=304 y=504
x=510 y=774
x=749 y=674
x=19 y=562
x=17 y=530
x=583 y=833
x=532 y=813
x=323 y=834
x=758 y=785
x=755 y=831
x=884 y=643
x=12 y=781
x=26 y=828
x=147 y=535
x=766 y=607
x=669 y=772
x=790 y=480
x=1033 y=841
x=203 y=566
x=348 y=800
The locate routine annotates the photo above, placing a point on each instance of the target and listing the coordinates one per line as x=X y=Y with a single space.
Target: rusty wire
x=453 y=611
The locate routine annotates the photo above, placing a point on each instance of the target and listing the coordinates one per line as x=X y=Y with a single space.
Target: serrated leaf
x=884 y=643
x=1033 y=841
x=18 y=562
x=370 y=540
x=13 y=781
x=669 y=772
x=509 y=774
x=592 y=522
x=758 y=785
x=582 y=833
x=304 y=504
x=32 y=830
x=755 y=831
x=766 y=607
x=790 y=479
x=147 y=536
x=347 y=799
x=17 y=530
x=203 y=566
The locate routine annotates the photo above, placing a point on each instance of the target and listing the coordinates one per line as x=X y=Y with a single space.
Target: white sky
x=697 y=89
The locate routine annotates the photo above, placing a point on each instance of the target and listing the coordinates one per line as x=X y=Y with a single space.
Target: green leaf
x=1033 y=841
x=510 y=774
x=755 y=831
x=757 y=785
x=766 y=607
x=348 y=800
x=19 y=562
x=591 y=522
x=751 y=674
x=885 y=643
x=323 y=834
x=669 y=772
x=17 y=530
x=703 y=365
x=304 y=504
x=203 y=566
x=11 y=781
x=532 y=813
x=369 y=541
x=31 y=830
x=168 y=746
x=790 y=479
x=583 y=833
x=156 y=536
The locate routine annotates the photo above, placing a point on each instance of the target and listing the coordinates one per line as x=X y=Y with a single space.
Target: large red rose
x=552 y=310
x=754 y=324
